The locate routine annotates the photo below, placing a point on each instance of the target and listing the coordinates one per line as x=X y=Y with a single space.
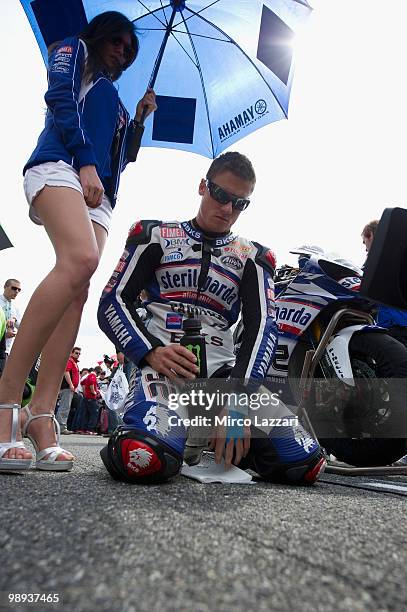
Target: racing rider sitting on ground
x=197 y=267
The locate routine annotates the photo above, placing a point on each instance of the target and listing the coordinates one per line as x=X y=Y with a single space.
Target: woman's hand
x=147 y=101
x=91 y=186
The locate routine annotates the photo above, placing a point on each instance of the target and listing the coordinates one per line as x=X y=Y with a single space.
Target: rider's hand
x=91 y=186
x=225 y=445
x=148 y=101
x=173 y=361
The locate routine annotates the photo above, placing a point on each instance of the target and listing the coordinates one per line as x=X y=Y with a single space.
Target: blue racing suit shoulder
x=266 y=258
x=140 y=232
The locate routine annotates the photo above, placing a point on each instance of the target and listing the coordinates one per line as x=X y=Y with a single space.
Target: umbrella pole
x=134 y=143
x=175 y=4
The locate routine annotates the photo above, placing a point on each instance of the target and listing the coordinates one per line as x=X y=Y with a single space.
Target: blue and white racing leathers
x=167 y=260
x=164 y=259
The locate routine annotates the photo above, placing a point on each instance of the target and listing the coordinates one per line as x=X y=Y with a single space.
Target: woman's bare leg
x=65 y=217
x=53 y=362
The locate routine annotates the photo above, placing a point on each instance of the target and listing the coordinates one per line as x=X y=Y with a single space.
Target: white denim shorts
x=61 y=174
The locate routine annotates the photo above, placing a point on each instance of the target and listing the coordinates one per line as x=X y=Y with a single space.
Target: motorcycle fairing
x=338 y=354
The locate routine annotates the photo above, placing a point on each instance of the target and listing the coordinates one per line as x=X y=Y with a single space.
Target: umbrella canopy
x=224 y=67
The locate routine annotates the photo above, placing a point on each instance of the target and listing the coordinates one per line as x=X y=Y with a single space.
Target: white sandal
x=49 y=464
x=6 y=464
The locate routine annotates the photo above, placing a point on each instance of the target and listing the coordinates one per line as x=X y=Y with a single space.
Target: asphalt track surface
x=107 y=546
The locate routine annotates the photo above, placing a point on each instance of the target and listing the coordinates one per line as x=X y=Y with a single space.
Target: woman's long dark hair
x=101 y=28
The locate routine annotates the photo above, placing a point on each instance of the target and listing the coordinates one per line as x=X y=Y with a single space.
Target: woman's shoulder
x=62 y=51
x=66 y=45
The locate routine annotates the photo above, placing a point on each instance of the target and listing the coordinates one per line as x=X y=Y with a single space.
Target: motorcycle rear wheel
x=383 y=357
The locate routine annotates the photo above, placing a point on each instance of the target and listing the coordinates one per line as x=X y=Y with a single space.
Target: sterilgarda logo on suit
x=183 y=279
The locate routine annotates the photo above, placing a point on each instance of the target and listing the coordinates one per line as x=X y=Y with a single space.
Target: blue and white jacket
x=84 y=121
x=166 y=260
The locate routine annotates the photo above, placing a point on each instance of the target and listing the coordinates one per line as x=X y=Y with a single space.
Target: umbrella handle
x=133 y=146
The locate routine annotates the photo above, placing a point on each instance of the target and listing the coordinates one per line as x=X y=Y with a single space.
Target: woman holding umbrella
x=71 y=182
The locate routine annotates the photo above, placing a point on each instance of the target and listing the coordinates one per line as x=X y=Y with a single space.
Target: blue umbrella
x=221 y=68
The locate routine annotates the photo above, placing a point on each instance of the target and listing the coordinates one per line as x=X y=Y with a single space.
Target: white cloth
x=61 y=174
x=11 y=312
x=103 y=387
x=208 y=471
x=117 y=391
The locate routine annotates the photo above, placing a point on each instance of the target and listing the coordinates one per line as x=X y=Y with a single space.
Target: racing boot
x=286 y=455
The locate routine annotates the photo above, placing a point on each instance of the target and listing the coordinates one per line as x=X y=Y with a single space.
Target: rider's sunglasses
x=16 y=288
x=128 y=51
x=224 y=197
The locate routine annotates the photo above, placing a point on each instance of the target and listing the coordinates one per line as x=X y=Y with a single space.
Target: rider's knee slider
x=307 y=474
x=134 y=457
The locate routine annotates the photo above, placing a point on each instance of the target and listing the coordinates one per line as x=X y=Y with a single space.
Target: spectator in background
x=70 y=381
x=103 y=382
x=12 y=288
x=76 y=417
x=395 y=321
x=82 y=375
x=109 y=363
x=90 y=406
x=2 y=341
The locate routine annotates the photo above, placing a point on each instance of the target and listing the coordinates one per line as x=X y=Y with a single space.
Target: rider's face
x=219 y=218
